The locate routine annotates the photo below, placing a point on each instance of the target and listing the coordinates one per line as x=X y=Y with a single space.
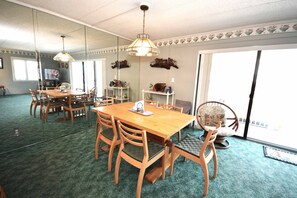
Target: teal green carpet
x=64 y=166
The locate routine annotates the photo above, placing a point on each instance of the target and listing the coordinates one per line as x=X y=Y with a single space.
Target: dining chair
x=66 y=85
x=137 y=151
x=151 y=102
x=89 y=99
x=209 y=113
x=108 y=133
x=2 y=193
x=47 y=104
x=75 y=107
x=35 y=102
x=173 y=108
x=102 y=101
x=199 y=152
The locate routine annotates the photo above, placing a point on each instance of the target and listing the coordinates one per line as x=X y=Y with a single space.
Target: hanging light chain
x=143 y=25
x=63 y=42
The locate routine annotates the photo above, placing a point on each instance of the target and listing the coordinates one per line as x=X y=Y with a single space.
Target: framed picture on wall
x=1 y=63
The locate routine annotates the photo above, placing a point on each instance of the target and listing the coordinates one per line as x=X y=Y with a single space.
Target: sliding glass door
x=268 y=92
x=87 y=74
x=273 y=115
x=231 y=75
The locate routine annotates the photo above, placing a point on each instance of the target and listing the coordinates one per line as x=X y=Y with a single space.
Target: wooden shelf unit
x=167 y=95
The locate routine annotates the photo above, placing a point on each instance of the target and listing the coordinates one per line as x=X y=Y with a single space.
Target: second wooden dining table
x=55 y=93
x=163 y=123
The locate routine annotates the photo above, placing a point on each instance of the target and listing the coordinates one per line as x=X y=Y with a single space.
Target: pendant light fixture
x=63 y=56
x=143 y=46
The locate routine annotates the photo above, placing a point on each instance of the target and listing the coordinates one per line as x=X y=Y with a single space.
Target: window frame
x=26 y=69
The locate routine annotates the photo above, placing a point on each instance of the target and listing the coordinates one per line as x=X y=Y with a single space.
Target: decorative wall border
x=266 y=29
x=248 y=31
x=230 y=34
x=25 y=53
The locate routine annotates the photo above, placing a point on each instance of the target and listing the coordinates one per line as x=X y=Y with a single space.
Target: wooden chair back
x=132 y=142
x=133 y=136
x=171 y=107
x=151 y=102
x=107 y=121
x=107 y=133
x=34 y=95
x=104 y=101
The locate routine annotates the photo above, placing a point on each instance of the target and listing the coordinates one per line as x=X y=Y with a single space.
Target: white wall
x=187 y=60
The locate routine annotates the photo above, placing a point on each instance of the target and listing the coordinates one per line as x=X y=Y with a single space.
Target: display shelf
x=120 y=94
x=167 y=94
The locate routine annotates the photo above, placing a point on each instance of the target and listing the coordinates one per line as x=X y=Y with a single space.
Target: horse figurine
x=120 y=64
x=164 y=63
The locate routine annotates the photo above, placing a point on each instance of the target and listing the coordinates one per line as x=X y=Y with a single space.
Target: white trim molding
x=264 y=29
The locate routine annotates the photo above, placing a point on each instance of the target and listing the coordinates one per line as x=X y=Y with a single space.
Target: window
x=24 y=69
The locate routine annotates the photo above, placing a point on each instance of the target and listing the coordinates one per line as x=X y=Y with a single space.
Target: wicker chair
x=208 y=115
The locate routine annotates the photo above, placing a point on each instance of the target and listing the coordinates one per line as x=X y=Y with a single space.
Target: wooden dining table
x=56 y=93
x=163 y=123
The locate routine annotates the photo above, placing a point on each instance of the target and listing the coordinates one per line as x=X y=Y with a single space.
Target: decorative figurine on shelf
x=168 y=89
x=117 y=83
x=159 y=87
x=120 y=64
x=164 y=63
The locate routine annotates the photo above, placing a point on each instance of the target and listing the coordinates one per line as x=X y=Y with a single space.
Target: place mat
x=145 y=113
x=281 y=155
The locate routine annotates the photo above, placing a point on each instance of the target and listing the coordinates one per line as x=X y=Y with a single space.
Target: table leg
x=156 y=172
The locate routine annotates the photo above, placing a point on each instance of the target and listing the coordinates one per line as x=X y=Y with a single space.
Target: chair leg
x=35 y=106
x=215 y=164
x=31 y=108
x=64 y=114
x=172 y=160
x=97 y=123
x=110 y=154
x=117 y=168
x=72 y=116
x=179 y=136
x=97 y=144
x=40 y=112
x=86 y=114
x=46 y=113
x=140 y=180
x=206 y=179
x=163 y=165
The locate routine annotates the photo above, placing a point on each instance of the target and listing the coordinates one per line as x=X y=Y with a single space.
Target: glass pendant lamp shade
x=63 y=56
x=143 y=46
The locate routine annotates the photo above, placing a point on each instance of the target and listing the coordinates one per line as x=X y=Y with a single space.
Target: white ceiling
x=167 y=18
